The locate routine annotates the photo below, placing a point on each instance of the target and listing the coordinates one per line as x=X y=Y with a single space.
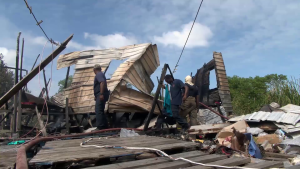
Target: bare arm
x=186 y=90
x=101 y=87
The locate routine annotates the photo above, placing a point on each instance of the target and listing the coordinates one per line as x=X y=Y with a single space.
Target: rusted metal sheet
x=141 y=61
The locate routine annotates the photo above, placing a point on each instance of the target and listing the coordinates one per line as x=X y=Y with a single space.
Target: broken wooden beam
x=41 y=123
x=150 y=114
x=34 y=72
x=67 y=78
x=67 y=116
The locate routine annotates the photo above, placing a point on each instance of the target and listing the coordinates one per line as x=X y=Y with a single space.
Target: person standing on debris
x=101 y=94
x=176 y=99
x=190 y=102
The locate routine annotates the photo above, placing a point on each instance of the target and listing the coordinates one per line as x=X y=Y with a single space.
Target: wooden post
x=46 y=88
x=39 y=117
x=67 y=77
x=43 y=89
x=19 y=116
x=16 y=81
x=163 y=74
x=35 y=62
x=161 y=89
x=67 y=116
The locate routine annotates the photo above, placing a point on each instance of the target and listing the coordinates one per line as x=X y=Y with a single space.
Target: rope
x=188 y=37
x=158 y=152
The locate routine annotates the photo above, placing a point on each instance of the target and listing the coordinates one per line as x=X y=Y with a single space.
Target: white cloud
x=199 y=37
x=111 y=40
x=9 y=56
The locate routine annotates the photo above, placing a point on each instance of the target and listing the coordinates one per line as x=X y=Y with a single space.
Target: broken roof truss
x=141 y=61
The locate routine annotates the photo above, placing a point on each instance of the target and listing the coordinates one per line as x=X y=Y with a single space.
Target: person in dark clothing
x=190 y=103
x=101 y=94
x=176 y=94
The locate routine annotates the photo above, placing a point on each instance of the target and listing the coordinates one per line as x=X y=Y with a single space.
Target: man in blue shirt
x=101 y=94
x=176 y=94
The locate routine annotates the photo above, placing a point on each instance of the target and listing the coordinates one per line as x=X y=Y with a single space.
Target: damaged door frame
x=155 y=98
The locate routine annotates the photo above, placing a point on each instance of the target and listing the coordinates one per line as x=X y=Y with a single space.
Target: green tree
x=61 y=83
x=6 y=78
x=249 y=94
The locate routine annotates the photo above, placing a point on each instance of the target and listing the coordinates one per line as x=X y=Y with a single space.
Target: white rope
x=160 y=152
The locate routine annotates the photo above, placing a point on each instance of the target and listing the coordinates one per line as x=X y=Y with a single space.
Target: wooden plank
x=181 y=164
x=96 y=154
x=279 y=155
x=217 y=55
x=151 y=161
x=223 y=72
x=233 y=161
x=218 y=60
x=221 y=77
x=219 y=64
x=265 y=164
x=224 y=88
x=225 y=80
x=73 y=148
x=294 y=167
x=220 y=68
x=67 y=148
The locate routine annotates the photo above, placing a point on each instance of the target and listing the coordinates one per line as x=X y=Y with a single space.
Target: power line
x=38 y=23
x=188 y=37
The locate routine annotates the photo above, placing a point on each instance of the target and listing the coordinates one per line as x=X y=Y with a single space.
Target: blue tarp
x=167 y=102
x=253 y=149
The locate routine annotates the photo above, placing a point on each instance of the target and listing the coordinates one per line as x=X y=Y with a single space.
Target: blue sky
x=255 y=37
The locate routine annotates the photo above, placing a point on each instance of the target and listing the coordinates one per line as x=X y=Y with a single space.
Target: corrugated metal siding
x=142 y=61
x=289 y=118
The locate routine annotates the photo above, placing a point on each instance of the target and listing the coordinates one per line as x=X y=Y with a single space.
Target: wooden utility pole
x=19 y=116
x=13 y=124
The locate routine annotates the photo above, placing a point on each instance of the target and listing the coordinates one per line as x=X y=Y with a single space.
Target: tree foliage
x=6 y=78
x=249 y=94
x=61 y=83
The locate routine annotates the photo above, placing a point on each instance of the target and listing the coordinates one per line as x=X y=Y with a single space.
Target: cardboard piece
x=227 y=132
x=272 y=138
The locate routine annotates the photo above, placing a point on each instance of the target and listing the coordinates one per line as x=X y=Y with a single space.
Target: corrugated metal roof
x=291 y=108
x=276 y=116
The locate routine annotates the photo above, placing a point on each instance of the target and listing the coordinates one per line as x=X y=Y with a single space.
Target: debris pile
x=272 y=133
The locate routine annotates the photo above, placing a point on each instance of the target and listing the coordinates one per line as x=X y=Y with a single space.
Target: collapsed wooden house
x=141 y=61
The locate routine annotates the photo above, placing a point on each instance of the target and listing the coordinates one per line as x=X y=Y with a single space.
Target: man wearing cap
x=101 y=94
x=176 y=94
